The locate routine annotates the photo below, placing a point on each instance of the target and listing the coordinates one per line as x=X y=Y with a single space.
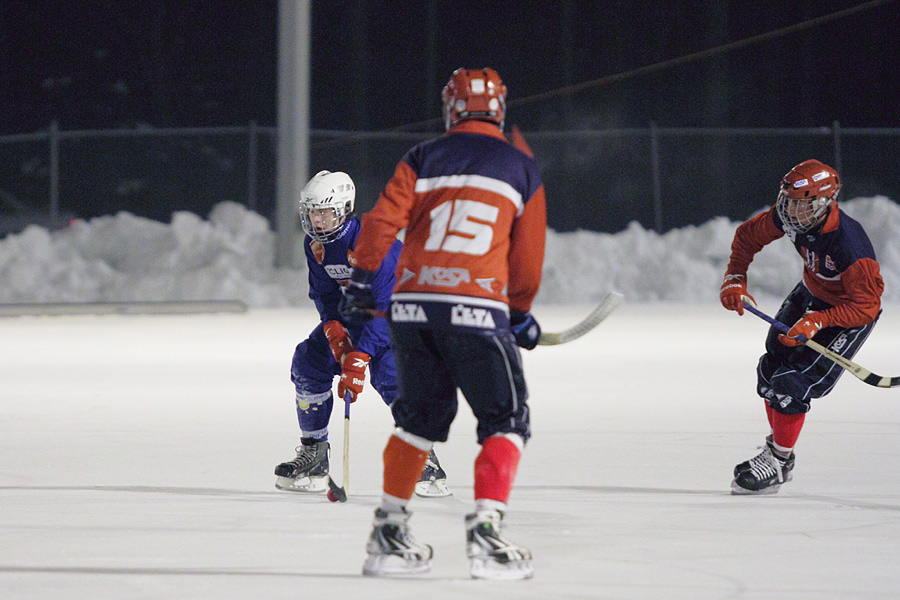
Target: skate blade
x=486 y=568
x=303 y=485
x=387 y=565
x=737 y=490
x=433 y=489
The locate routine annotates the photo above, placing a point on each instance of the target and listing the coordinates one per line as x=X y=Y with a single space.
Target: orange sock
x=403 y=464
x=495 y=469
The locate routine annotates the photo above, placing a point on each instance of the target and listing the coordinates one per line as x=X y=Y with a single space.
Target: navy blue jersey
x=329 y=271
x=839 y=264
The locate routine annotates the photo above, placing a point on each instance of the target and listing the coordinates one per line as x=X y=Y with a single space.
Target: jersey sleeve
x=375 y=335
x=526 y=252
x=864 y=286
x=750 y=237
x=389 y=216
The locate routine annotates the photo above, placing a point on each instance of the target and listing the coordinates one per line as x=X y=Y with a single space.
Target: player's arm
x=374 y=336
x=526 y=263
x=864 y=286
x=526 y=252
x=379 y=230
x=381 y=224
x=749 y=238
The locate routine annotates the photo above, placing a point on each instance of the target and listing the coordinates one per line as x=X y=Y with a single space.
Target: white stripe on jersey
x=473 y=181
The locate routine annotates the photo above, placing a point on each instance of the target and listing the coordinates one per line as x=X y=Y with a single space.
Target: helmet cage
x=802 y=214
x=325 y=203
x=806 y=195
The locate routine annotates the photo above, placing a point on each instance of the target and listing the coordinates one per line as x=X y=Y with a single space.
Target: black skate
x=764 y=474
x=491 y=556
x=433 y=483
x=745 y=466
x=391 y=549
x=308 y=472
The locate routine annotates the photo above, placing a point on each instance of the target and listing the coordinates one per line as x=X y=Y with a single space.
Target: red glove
x=354 y=375
x=338 y=340
x=732 y=289
x=808 y=326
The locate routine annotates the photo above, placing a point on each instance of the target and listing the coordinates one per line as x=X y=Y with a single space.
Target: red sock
x=769 y=412
x=786 y=429
x=495 y=469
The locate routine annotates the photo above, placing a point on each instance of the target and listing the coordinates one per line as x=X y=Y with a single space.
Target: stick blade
x=338 y=492
x=596 y=316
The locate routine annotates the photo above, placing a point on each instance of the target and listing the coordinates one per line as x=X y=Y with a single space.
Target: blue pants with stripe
x=788 y=378
x=432 y=364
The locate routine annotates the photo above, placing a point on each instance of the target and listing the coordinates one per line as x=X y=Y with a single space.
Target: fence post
x=54 y=172
x=836 y=130
x=252 y=158
x=654 y=168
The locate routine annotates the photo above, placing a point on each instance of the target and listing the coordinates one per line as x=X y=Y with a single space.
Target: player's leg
x=433 y=482
x=423 y=410
x=313 y=369
x=789 y=378
x=488 y=370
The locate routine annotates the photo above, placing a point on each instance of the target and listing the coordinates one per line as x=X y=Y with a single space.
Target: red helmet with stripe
x=474 y=94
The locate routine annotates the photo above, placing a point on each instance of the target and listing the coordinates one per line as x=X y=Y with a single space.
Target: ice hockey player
x=474 y=210
x=336 y=348
x=837 y=303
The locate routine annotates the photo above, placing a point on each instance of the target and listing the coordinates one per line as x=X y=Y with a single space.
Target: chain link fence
x=597 y=180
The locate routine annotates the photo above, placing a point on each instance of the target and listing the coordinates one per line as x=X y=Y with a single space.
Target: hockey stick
x=337 y=493
x=857 y=371
x=602 y=310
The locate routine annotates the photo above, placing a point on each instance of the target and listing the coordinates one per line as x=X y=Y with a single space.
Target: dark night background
x=381 y=65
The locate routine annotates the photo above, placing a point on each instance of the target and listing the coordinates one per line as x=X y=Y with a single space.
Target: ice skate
x=308 y=472
x=764 y=474
x=745 y=466
x=391 y=549
x=491 y=556
x=433 y=483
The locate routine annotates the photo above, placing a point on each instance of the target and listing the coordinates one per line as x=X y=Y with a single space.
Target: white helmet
x=325 y=203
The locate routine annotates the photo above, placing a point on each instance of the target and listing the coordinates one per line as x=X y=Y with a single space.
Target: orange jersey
x=474 y=211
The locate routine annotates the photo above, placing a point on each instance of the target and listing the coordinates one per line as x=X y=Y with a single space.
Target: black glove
x=525 y=329
x=358 y=301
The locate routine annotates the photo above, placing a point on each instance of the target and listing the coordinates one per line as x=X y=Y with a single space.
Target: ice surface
x=137 y=456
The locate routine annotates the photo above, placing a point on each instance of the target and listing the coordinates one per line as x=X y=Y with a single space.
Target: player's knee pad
x=307 y=401
x=314 y=413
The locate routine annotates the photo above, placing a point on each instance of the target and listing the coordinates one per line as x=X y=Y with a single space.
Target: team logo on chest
x=338 y=272
x=811 y=259
x=318 y=250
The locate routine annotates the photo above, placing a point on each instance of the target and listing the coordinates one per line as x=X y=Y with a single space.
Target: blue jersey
x=329 y=271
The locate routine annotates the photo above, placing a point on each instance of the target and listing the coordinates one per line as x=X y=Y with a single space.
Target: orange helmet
x=807 y=192
x=474 y=94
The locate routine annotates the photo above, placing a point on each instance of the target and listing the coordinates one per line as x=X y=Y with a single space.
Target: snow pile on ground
x=230 y=256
